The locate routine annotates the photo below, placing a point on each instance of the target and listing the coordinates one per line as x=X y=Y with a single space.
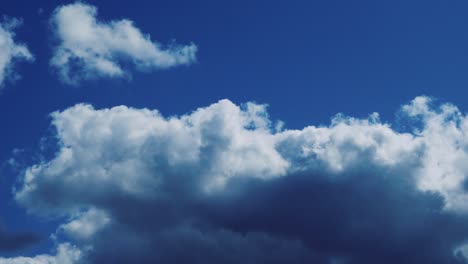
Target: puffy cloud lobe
x=11 y=51
x=125 y=151
x=66 y=254
x=445 y=138
x=89 y=48
x=223 y=184
x=86 y=224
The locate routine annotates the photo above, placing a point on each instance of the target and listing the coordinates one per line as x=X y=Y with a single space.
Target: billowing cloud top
x=11 y=51
x=219 y=185
x=89 y=48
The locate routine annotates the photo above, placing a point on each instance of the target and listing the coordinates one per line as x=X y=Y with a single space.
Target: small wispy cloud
x=88 y=48
x=10 y=50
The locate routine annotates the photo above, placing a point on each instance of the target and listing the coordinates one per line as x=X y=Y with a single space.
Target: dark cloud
x=364 y=218
x=187 y=244
x=10 y=241
x=299 y=218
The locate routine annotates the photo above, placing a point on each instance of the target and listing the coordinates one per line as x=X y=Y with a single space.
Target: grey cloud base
x=219 y=185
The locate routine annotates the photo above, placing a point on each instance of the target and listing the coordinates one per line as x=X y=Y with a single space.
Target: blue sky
x=307 y=60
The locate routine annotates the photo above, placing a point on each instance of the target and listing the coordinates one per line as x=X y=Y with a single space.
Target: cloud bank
x=10 y=51
x=88 y=48
x=220 y=185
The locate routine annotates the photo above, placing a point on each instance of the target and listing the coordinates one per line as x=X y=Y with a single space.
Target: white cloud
x=435 y=154
x=86 y=224
x=11 y=51
x=89 y=48
x=348 y=144
x=133 y=151
x=444 y=135
x=129 y=156
x=66 y=254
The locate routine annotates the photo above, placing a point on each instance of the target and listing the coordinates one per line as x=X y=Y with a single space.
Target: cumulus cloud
x=221 y=185
x=89 y=48
x=66 y=254
x=86 y=224
x=10 y=51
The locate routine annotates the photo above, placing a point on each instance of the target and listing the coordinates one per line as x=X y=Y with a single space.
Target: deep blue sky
x=307 y=59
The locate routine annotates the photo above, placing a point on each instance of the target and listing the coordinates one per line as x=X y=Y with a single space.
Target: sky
x=208 y=131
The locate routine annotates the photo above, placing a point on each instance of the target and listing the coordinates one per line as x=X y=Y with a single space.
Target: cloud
x=11 y=51
x=86 y=224
x=89 y=48
x=16 y=241
x=66 y=254
x=220 y=185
